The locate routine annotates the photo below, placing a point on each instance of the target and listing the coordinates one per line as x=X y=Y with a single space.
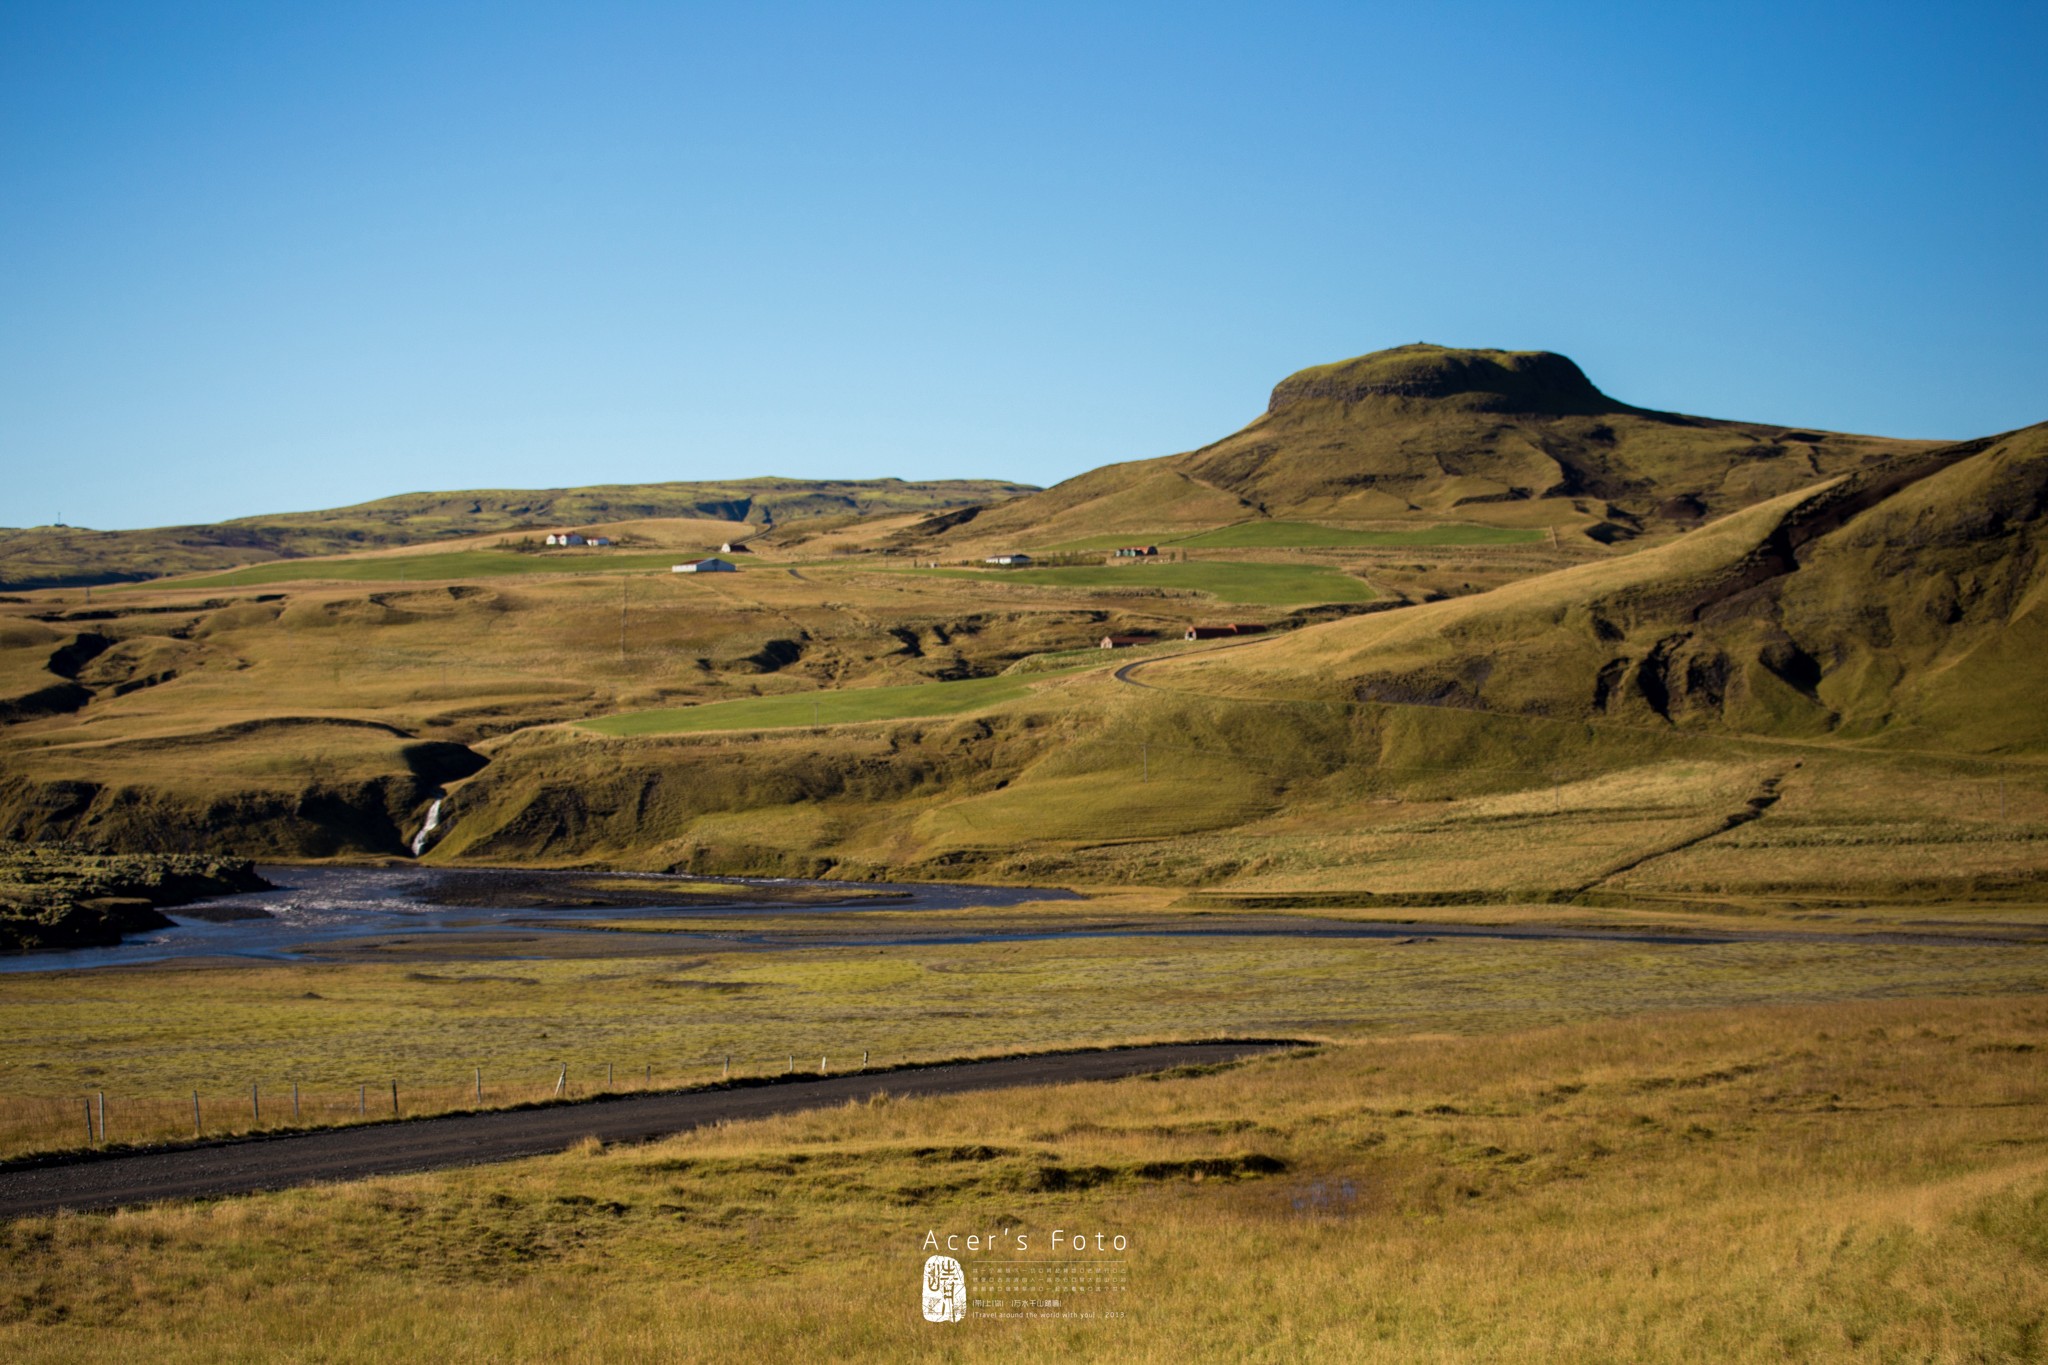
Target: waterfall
x=419 y=841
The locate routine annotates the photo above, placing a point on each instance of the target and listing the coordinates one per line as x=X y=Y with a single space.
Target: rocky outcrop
x=58 y=896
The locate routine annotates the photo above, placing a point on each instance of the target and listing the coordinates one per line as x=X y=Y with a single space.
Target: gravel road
x=240 y=1167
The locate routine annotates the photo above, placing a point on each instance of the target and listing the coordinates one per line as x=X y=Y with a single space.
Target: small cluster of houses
x=1017 y=561
x=577 y=538
x=1193 y=633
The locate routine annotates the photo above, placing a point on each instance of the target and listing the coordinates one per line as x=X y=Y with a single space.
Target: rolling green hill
x=1904 y=604
x=1822 y=672
x=61 y=556
x=1848 y=674
x=1425 y=434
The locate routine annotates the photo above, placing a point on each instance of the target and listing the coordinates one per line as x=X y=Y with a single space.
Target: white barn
x=704 y=566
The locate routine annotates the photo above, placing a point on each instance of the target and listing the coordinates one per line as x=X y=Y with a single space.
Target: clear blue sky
x=272 y=256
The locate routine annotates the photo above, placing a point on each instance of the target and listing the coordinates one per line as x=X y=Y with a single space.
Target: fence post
x=103 y=1118
x=647 y=1081
x=562 y=1081
x=255 y=1107
x=821 y=1066
x=295 y=1101
x=195 y=1114
x=88 y=1120
x=792 y=1063
x=363 y=1101
x=863 y=1059
x=394 y=1097
x=479 y=1087
x=728 y=1066
x=607 y=1075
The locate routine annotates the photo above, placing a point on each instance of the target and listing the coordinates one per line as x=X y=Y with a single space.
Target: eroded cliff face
x=317 y=820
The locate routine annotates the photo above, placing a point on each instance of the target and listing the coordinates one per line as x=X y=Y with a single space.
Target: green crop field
x=842 y=707
x=436 y=568
x=1262 y=585
x=1306 y=535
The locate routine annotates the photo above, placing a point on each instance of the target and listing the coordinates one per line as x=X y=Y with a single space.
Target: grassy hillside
x=47 y=556
x=1902 y=604
x=1432 y=433
x=1826 y=693
x=1272 y=585
x=1263 y=535
x=1700 y=719
x=454 y=566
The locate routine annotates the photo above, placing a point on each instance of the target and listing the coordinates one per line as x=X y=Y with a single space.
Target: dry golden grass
x=654 y=1010
x=1855 y=1181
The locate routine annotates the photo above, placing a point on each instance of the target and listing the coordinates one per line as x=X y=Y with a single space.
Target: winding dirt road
x=245 y=1166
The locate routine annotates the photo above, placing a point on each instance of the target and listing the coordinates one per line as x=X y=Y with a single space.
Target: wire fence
x=118 y=1117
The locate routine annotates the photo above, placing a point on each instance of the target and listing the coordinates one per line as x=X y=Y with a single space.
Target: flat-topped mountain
x=1476 y=381
x=1432 y=432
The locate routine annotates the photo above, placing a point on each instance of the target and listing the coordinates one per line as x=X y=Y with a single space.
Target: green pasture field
x=1311 y=535
x=836 y=707
x=1249 y=584
x=436 y=568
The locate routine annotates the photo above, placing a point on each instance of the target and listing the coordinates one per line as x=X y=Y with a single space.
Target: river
x=315 y=907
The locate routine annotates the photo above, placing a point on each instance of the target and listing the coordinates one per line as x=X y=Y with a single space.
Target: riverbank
x=58 y=896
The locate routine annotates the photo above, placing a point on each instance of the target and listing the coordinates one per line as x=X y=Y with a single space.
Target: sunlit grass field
x=1252 y=584
x=839 y=707
x=1853 y=1181
x=433 y=568
x=1309 y=535
x=420 y=1012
